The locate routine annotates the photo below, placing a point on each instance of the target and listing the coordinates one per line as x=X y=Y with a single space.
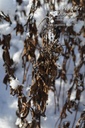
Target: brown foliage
x=45 y=69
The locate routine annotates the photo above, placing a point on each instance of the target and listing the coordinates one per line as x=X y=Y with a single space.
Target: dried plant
x=45 y=69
